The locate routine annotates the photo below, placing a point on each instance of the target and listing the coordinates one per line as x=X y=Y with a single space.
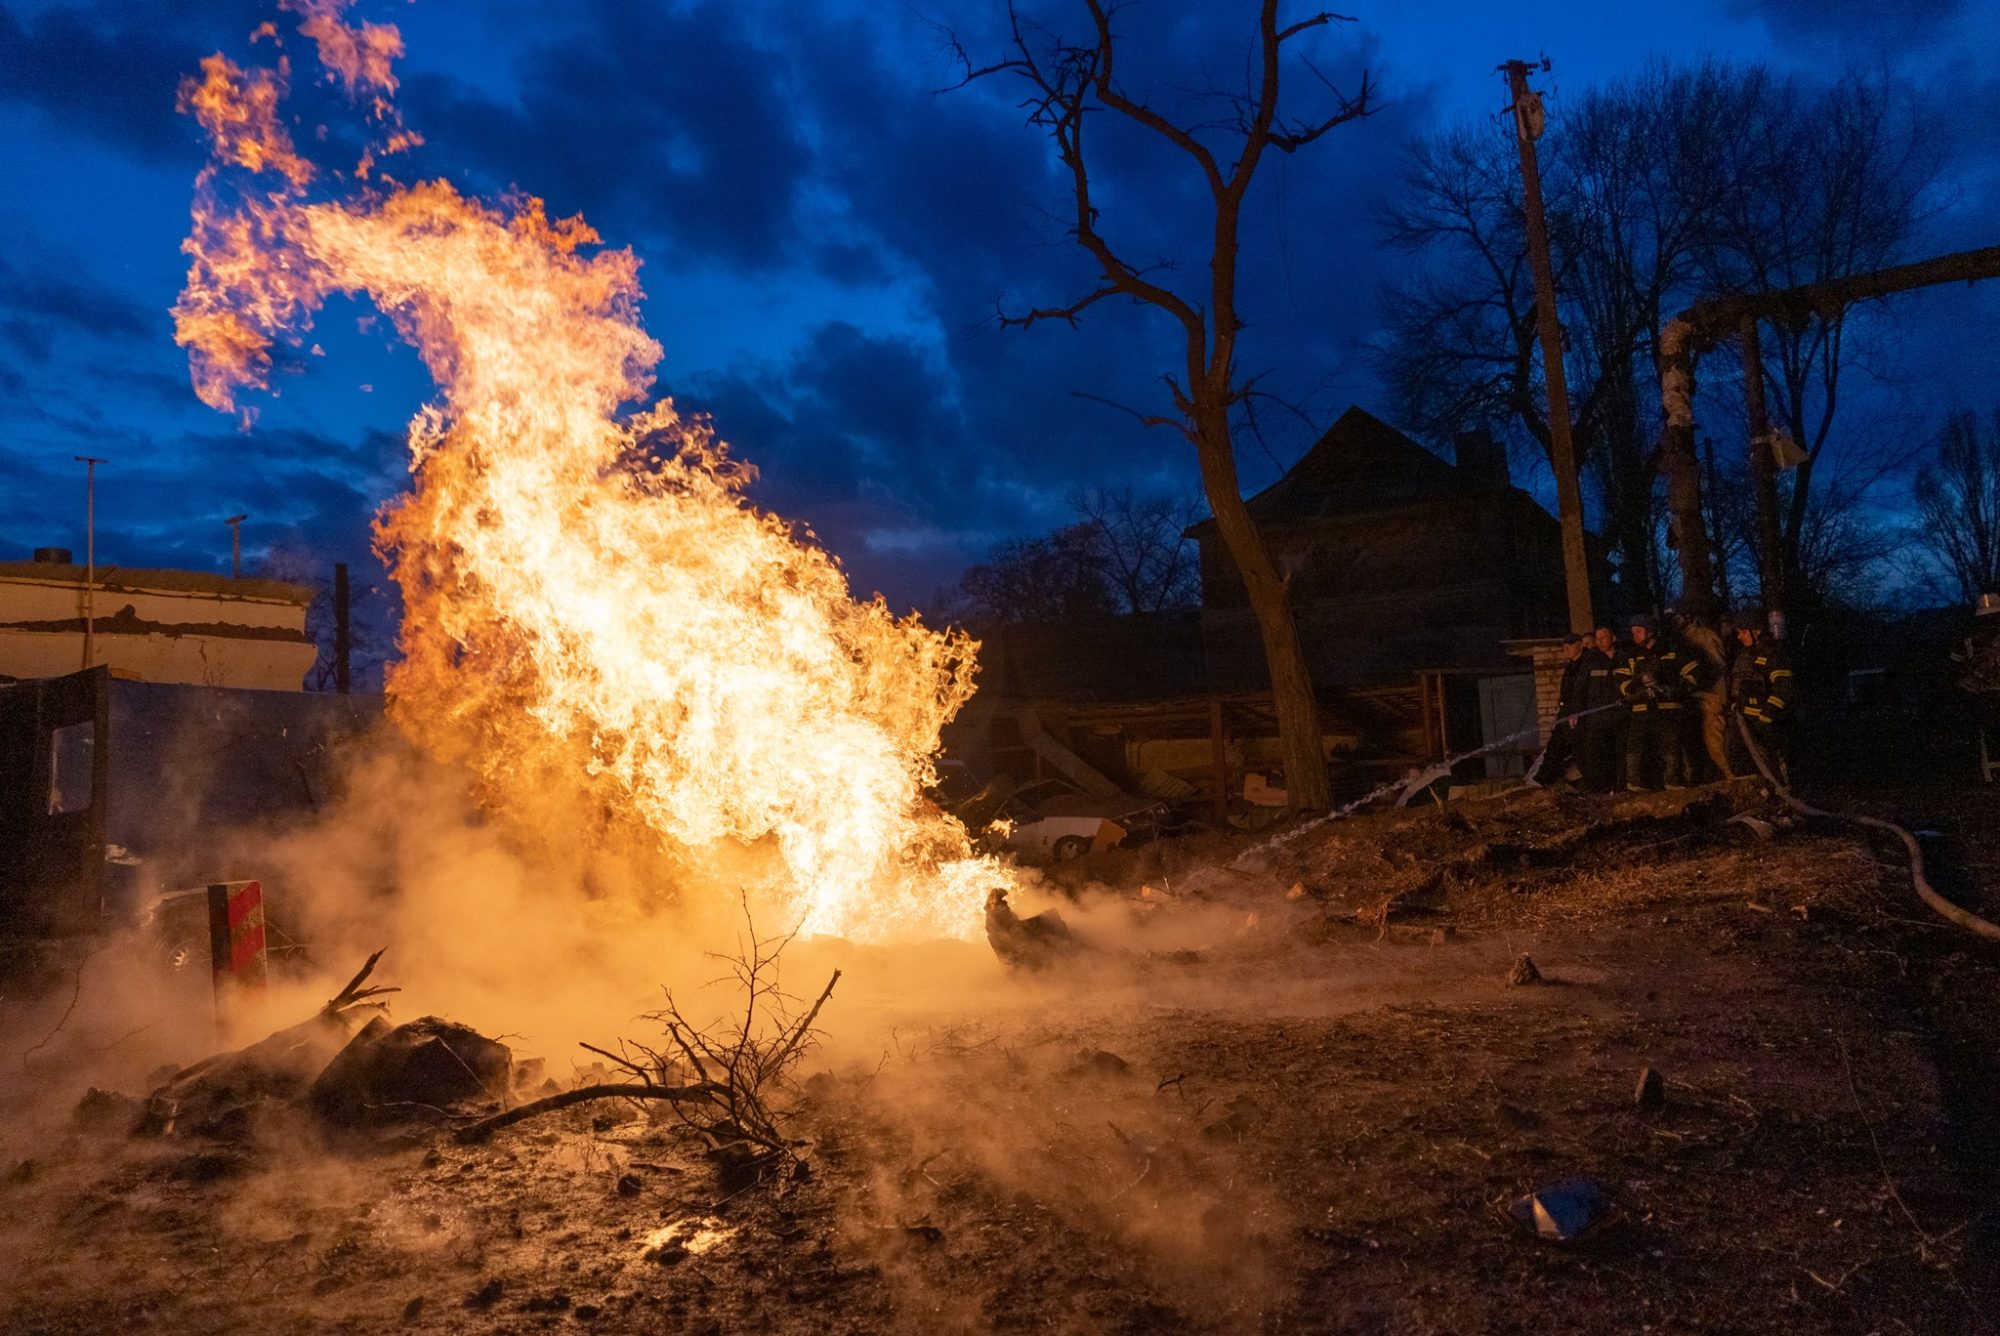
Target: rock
x=485 y=1296
x=105 y=1111
x=413 y=1309
x=1241 y=1116
x=1097 y=1062
x=629 y=1185
x=210 y=1166
x=428 y=1063
x=23 y=1171
x=1650 y=1095
x=1524 y=973
x=586 y=1312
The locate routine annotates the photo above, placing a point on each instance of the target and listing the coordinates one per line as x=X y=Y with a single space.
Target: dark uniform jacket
x=1598 y=686
x=1569 y=700
x=1760 y=681
x=1657 y=675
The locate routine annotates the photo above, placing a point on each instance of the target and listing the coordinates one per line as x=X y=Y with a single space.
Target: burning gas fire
x=629 y=656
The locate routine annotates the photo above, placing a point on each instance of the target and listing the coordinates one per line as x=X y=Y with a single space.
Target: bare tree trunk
x=1300 y=737
x=1771 y=546
x=1070 y=80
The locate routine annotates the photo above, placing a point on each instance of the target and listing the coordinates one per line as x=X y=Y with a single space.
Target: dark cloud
x=113 y=70
x=1874 y=24
x=654 y=119
x=54 y=294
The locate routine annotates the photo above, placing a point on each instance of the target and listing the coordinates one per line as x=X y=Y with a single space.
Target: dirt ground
x=1293 y=1090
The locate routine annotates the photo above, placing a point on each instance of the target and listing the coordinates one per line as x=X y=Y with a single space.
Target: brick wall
x=1547 y=657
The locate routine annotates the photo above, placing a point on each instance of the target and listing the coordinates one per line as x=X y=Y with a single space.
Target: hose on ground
x=1944 y=908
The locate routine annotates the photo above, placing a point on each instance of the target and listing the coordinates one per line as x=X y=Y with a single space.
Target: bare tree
x=1148 y=558
x=1957 y=494
x=1834 y=182
x=1071 y=83
x=295 y=565
x=1061 y=577
x=1661 y=190
x=1127 y=553
x=1628 y=174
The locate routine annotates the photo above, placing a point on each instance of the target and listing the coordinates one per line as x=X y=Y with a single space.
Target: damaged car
x=1052 y=820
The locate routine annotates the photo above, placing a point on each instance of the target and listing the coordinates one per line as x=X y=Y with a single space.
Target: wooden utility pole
x=1528 y=120
x=342 y=639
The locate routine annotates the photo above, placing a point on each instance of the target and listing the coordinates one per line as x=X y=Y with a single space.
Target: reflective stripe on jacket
x=1763 y=681
x=1655 y=676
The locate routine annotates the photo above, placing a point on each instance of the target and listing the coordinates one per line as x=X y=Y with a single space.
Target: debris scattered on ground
x=1242 y=1116
x=1097 y=1062
x=1760 y=829
x=1027 y=943
x=105 y=1111
x=1565 y=1212
x=426 y=1065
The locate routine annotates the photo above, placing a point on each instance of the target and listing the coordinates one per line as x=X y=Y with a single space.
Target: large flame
x=595 y=621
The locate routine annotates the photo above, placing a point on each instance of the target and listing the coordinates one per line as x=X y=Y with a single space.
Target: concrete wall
x=193 y=660
x=183 y=627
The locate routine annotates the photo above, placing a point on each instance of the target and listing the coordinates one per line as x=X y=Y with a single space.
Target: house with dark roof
x=1414 y=580
x=1398 y=561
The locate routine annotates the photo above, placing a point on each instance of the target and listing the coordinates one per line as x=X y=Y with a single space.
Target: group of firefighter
x=1658 y=709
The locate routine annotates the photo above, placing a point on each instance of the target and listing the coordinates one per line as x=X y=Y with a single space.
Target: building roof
x=141 y=580
x=1362 y=464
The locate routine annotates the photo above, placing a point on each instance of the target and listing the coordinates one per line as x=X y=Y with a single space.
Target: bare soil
x=1294 y=1092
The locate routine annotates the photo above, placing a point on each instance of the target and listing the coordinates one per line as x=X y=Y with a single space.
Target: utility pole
x=343 y=639
x=235 y=523
x=1528 y=121
x=90 y=463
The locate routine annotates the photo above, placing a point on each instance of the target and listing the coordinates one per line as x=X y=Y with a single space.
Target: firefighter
x=1761 y=689
x=1562 y=750
x=1597 y=700
x=1655 y=678
x=1711 y=688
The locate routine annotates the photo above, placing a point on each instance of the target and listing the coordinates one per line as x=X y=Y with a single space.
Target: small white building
x=153 y=626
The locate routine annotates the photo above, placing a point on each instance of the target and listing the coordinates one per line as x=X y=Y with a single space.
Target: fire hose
x=1964 y=918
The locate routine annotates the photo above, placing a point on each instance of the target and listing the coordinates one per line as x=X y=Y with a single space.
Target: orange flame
x=627 y=654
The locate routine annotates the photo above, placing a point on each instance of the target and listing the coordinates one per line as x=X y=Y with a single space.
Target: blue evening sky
x=825 y=242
